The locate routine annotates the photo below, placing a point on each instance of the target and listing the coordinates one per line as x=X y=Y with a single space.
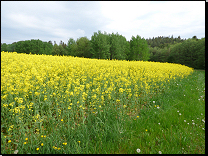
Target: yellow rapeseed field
x=62 y=90
x=28 y=79
x=23 y=73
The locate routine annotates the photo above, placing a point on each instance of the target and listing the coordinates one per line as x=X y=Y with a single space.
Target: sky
x=62 y=20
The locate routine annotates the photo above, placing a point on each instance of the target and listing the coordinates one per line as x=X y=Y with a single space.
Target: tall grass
x=72 y=105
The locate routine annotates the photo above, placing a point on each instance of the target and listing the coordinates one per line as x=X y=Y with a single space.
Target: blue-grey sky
x=61 y=20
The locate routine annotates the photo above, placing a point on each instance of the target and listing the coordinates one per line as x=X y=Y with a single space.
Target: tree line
x=189 y=52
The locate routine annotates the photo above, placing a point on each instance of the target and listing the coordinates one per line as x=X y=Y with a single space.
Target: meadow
x=71 y=105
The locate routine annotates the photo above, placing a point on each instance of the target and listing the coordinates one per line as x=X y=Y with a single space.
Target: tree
x=193 y=53
x=123 y=48
x=83 y=47
x=139 y=49
x=127 y=49
x=71 y=47
x=62 y=48
x=200 y=53
x=4 y=47
x=56 y=50
x=47 y=48
x=100 y=45
x=114 y=46
x=11 y=47
x=117 y=46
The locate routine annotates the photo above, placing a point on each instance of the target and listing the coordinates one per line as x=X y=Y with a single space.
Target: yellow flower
x=94 y=96
x=65 y=143
x=37 y=149
x=26 y=138
x=78 y=141
x=9 y=141
x=121 y=90
x=41 y=144
x=137 y=116
x=146 y=130
x=62 y=120
x=25 y=143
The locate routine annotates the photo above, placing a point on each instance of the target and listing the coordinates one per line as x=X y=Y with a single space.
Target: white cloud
x=63 y=20
x=80 y=32
x=22 y=20
x=151 y=18
x=123 y=14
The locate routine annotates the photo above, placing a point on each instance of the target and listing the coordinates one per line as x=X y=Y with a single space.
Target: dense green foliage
x=162 y=42
x=139 y=49
x=32 y=46
x=190 y=52
x=100 y=45
x=119 y=48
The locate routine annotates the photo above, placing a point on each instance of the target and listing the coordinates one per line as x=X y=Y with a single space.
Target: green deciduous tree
x=58 y=50
x=71 y=47
x=127 y=49
x=200 y=53
x=32 y=46
x=4 y=47
x=11 y=47
x=139 y=49
x=100 y=45
x=83 y=47
x=118 y=46
x=190 y=52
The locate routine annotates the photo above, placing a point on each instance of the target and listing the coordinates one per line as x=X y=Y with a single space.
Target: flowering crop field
x=47 y=101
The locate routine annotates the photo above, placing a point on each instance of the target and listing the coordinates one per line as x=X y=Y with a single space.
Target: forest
x=189 y=52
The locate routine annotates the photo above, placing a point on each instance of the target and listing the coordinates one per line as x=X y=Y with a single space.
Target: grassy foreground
x=177 y=126
x=100 y=114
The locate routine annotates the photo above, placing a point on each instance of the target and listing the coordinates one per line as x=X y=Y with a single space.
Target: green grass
x=168 y=131
x=150 y=127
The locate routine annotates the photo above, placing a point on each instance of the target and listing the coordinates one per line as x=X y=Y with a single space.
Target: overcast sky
x=55 y=20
